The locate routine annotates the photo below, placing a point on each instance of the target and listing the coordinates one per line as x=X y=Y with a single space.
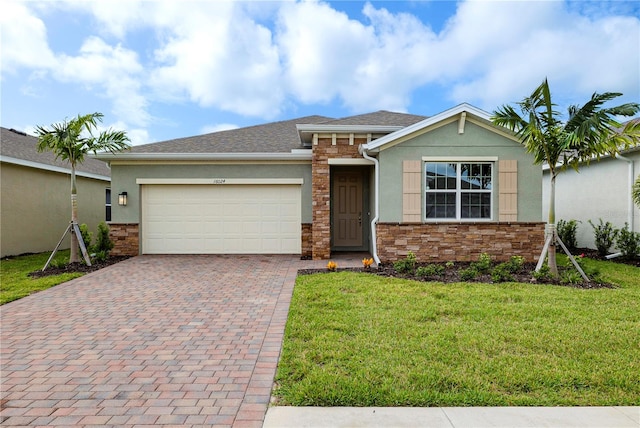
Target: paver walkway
x=153 y=340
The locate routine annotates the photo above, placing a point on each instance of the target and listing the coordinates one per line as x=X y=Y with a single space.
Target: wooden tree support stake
x=73 y=228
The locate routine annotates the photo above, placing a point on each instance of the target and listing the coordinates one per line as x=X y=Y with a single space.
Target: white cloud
x=24 y=39
x=218 y=127
x=217 y=55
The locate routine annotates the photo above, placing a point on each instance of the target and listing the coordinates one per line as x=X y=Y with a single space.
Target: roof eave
x=109 y=157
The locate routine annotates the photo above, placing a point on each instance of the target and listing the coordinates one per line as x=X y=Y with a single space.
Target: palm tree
x=71 y=141
x=589 y=132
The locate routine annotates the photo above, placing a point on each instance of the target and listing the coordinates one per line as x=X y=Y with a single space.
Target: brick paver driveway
x=153 y=340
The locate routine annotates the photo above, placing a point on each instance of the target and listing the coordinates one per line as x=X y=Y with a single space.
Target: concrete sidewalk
x=453 y=417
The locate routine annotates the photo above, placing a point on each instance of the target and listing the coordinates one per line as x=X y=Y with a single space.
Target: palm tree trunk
x=73 y=258
x=551 y=226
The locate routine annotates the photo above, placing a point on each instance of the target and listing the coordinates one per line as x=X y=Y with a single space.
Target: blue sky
x=168 y=69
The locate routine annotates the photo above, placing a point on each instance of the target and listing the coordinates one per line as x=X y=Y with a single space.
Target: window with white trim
x=458 y=190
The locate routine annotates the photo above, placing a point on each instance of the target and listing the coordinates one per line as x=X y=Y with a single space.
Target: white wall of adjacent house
x=598 y=190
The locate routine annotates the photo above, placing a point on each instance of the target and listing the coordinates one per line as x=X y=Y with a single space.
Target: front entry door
x=347 y=209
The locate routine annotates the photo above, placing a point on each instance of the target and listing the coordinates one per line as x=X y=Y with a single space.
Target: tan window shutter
x=508 y=184
x=411 y=191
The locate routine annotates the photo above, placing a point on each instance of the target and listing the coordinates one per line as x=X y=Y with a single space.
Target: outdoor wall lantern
x=122 y=199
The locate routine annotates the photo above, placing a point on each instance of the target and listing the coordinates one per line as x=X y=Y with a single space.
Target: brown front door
x=347 y=209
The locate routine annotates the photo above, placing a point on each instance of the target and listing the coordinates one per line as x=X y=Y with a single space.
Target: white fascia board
x=355 y=129
x=349 y=161
x=203 y=156
x=545 y=166
x=221 y=181
x=464 y=107
x=52 y=168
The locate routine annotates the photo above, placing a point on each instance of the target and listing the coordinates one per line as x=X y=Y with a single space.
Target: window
x=458 y=190
x=107 y=214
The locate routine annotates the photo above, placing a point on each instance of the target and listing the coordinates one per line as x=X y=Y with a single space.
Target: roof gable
x=462 y=111
x=21 y=148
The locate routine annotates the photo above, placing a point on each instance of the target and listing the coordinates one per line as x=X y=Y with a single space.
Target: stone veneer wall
x=321 y=188
x=306 y=240
x=459 y=241
x=126 y=239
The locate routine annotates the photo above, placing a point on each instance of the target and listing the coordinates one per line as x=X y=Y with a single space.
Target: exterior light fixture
x=122 y=199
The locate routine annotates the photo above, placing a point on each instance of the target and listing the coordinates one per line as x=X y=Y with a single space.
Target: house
x=447 y=187
x=35 y=202
x=599 y=190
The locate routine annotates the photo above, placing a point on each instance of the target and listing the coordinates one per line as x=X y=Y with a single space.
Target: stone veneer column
x=125 y=238
x=321 y=188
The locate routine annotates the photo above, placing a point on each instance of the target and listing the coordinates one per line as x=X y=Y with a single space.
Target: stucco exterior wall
x=35 y=208
x=598 y=190
x=124 y=180
x=446 y=142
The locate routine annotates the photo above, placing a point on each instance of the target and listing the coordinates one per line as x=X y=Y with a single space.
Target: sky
x=161 y=70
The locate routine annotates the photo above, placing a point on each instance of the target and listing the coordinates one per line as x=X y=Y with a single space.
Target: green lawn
x=355 y=339
x=15 y=282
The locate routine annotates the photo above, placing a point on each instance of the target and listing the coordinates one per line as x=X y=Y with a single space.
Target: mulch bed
x=77 y=267
x=452 y=273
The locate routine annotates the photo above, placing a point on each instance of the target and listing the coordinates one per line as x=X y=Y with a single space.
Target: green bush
x=515 y=264
x=406 y=265
x=567 y=231
x=483 y=264
x=502 y=272
x=628 y=242
x=469 y=273
x=58 y=263
x=570 y=276
x=103 y=242
x=87 y=236
x=543 y=274
x=430 y=270
x=605 y=235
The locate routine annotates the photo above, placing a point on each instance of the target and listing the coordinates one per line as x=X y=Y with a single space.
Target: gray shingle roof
x=382 y=117
x=276 y=137
x=18 y=145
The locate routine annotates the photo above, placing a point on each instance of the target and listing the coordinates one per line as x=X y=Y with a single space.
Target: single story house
x=447 y=187
x=598 y=190
x=35 y=201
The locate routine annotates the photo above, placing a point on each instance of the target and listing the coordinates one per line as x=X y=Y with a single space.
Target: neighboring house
x=448 y=187
x=35 y=203
x=601 y=189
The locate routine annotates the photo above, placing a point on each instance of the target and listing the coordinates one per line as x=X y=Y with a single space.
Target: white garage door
x=221 y=219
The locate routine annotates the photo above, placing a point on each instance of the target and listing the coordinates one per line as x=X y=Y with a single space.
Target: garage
x=221 y=216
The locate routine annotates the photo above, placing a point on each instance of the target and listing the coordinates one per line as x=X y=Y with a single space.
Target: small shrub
x=628 y=242
x=515 y=264
x=367 y=263
x=605 y=235
x=406 y=265
x=567 y=231
x=449 y=264
x=469 y=273
x=58 y=263
x=87 y=236
x=544 y=274
x=502 y=273
x=430 y=270
x=570 y=276
x=103 y=242
x=483 y=264
x=100 y=256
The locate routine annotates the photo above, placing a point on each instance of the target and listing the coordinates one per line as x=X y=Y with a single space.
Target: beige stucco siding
x=598 y=190
x=125 y=176
x=36 y=207
x=445 y=141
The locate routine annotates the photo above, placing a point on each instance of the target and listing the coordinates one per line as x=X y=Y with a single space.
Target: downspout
x=631 y=206
x=374 y=221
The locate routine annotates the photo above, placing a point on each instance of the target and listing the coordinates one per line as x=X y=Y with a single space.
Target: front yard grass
x=356 y=339
x=15 y=282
